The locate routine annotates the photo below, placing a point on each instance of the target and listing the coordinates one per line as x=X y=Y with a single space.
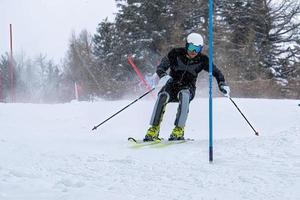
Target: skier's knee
x=163 y=96
x=183 y=108
x=184 y=94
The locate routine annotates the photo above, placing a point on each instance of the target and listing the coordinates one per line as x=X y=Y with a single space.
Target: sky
x=45 y=26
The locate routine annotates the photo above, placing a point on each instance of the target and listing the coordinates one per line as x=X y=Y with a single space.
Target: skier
x=179 y=85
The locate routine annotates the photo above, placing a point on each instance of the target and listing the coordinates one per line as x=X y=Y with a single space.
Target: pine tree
x=279 y=33
x=4 y=76
x=79 y=64
x=108 y=51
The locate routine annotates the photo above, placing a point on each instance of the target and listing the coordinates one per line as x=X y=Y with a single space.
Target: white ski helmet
x=195 y=39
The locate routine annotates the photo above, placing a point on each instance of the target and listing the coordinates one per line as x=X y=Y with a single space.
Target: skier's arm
x=224 y=88
x=165 y=63
x=162 y=70
x=216 y=72
x=163 y=67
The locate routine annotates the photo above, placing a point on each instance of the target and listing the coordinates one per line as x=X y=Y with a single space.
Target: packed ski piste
x=53 y=154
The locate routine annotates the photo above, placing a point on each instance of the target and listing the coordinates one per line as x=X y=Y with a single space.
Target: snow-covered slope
x=50 y=152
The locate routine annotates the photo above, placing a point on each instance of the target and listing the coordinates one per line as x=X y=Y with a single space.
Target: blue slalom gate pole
x=210 y=80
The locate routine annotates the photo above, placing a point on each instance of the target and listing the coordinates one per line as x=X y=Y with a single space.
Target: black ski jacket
x=184 y=71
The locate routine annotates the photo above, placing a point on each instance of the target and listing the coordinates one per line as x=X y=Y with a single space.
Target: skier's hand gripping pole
x=95 y=127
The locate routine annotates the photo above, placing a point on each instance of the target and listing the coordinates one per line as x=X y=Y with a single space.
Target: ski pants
x=169 y=93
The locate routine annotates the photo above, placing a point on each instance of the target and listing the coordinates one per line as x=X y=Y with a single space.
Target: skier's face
x=191 y=54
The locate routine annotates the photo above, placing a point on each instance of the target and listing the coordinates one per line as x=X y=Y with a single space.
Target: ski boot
x=152 y=134
x=177 y=134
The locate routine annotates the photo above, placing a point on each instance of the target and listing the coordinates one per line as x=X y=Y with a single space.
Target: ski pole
x=256 y=133
x=95 y=127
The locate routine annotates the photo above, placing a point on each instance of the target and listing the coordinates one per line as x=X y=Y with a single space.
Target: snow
x=137 y=4
x=49 y=152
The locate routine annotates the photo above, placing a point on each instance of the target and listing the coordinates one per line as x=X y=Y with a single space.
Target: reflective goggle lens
x=194 y=48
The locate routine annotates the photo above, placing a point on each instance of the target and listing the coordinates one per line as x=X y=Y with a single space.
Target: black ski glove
x=225 y=89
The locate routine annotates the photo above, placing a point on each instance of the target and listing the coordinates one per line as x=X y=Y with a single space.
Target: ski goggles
x=194 y=48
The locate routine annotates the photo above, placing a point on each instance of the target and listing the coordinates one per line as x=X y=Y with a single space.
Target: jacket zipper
x=188 y=62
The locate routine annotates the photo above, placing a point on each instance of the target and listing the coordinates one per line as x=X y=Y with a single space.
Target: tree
x=79 y=63
x=4 y=76
x=279 y=36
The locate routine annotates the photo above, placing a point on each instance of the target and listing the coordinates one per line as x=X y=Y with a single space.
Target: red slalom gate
x=139 y=74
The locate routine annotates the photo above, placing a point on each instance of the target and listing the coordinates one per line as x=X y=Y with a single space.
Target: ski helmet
x=194 y=42
x=195 y=38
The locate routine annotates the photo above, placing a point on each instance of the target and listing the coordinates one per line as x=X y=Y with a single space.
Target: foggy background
x=45 y=26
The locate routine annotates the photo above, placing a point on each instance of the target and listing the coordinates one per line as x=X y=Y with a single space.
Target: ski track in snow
x=49 y=152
